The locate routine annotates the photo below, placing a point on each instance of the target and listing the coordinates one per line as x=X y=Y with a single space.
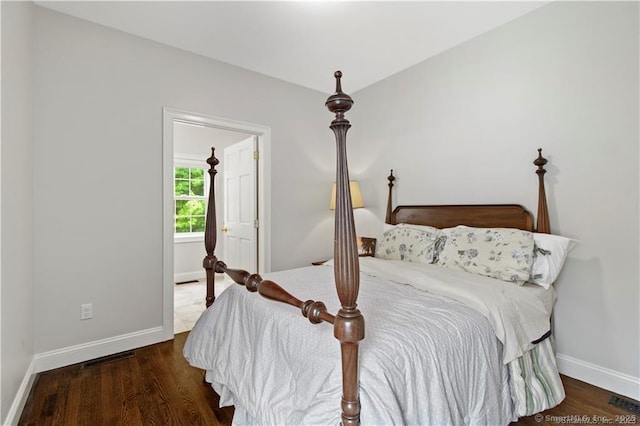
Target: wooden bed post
x=349 y=322
x=210 y=233
x=543 y=212
x=391 y=178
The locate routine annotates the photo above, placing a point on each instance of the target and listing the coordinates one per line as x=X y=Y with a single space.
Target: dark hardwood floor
x=156 y=386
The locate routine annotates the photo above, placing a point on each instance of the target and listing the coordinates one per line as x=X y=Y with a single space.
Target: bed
x=448 y=341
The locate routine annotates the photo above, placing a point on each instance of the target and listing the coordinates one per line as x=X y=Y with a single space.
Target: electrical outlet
x=86 y=311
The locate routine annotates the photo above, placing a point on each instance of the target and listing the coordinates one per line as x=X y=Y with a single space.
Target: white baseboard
x=605 y=378
x=15 y=411
x=96 y=349
x=188 y=276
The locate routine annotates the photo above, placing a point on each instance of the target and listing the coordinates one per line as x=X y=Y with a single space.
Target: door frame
x=263 y=133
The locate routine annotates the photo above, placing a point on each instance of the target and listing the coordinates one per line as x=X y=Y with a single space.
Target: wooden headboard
x=476 y=215
x=480 y=216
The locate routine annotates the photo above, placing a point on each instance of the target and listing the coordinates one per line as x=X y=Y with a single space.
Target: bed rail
x=348 y=322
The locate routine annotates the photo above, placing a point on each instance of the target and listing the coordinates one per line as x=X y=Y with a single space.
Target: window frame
x=192 y=163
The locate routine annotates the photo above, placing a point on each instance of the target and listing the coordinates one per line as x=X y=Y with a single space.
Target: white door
x=240 y=226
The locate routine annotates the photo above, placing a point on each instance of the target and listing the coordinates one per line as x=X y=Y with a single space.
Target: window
x=189 y=198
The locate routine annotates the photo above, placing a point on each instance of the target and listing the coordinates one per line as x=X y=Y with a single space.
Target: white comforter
x=425 y=359
x=519 y=314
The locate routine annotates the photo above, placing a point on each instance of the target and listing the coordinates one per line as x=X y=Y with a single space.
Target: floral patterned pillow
x=408 y=244
x=502 y=253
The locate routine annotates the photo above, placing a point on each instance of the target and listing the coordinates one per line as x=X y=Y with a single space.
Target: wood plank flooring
x=156 y=386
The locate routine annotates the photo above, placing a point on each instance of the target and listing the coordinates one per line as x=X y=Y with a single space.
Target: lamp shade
x=356 y=196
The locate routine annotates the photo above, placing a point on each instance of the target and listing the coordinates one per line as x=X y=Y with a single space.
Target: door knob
x=224 y=229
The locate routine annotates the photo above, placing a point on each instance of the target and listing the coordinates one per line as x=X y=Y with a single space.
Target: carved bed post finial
x=210 y=233
x=349 y=322
x=391 y=178
x=339 y=102
x=543 y=211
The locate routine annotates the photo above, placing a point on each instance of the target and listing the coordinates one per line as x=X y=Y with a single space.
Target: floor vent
x=109 y=358
x=625 y=403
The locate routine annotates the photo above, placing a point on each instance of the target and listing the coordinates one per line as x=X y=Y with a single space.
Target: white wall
x=187 y=262
x=463 y=127
x=99 y=95
x=16 y=291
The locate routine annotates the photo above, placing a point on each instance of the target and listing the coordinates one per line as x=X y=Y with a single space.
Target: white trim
x=15 y=411
x=189 y=276
x=189 y=160
x=191 y=237
x=602 y=377
x=167 y=223
x=84 y=352
x=169 y=116
x=1 y=145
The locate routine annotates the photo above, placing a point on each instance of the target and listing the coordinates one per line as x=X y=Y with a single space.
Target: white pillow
x=502 y=253
x=549 y=254
x=408 y=244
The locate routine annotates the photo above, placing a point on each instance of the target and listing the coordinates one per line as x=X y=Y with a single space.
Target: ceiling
x=304 y=42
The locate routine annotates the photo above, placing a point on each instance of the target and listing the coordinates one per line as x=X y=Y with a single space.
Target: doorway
x=187 y=142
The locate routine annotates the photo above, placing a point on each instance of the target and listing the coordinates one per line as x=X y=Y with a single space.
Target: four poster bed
x=458 y=318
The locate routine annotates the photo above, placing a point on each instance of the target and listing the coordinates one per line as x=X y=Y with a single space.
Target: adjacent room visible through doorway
x=239 y=187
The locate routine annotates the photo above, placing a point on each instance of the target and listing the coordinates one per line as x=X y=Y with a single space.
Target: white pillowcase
x=549 y=254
